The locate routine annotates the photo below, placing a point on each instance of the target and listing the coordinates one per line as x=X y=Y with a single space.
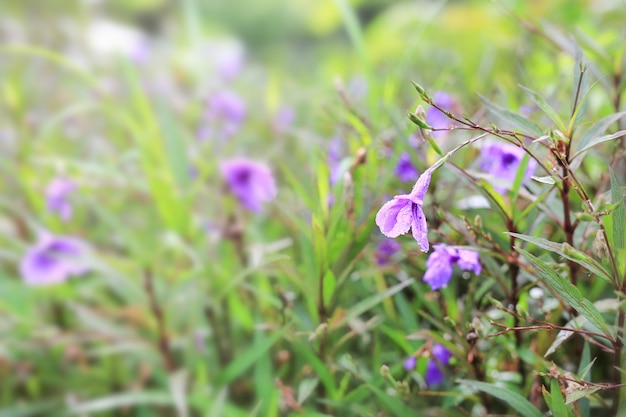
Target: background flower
x=440 y=263
x=501 y=160
x=53 y=260
x=434 y=374
x=57 y=197
x=405 y=169
x=250 y=182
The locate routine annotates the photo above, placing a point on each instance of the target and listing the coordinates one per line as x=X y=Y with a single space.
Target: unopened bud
x=600 y=246
x=420 y=90
x=573 y=252
x=384 y=371
x=478 y=221
x=419 y=122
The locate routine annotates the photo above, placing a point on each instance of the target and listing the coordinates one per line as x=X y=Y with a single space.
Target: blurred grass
x=309 y=315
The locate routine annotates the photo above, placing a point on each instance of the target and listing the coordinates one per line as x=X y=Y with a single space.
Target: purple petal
x=421 y=186
x=469 y=261
x=420 y=228
x=395 y=217
x=434 y=375
x=57 y=193
x=439 y=268
x=409 y=363
x=442 y=354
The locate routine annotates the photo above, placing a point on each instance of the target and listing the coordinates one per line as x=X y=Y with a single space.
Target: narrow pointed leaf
x=515 y=401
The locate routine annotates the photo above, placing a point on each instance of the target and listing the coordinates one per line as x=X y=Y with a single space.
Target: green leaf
x=117 y=401
x=568 y=291
x=519 y=179
x=580 y=395
x=572 y=254
x=245 y=360
x=515 y=121
x=543 y=105
x=544 y=180
x=557 y=406
x=619 y=213
x=372 y=301
x=393 y=404
x=596 y=141
x=330 y=282
x=599 y=128
x=515 y=401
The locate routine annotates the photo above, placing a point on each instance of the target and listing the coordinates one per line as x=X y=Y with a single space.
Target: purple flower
x=228 y=110
x=404 y=212
x=441 y=357
x=385 y=250
x=250 y=182
x=409 y=363
x=53 y=260
x=57 y=194
x=437 y=119
x=502 y=160
x=440 y=263
x=405 y=169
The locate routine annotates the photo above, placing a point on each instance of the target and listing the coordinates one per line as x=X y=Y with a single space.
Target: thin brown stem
x=157 y=312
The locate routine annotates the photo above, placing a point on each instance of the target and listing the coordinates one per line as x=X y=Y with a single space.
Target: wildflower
x=501 y=160
x=53 y=260
x=409 y=363
x=441 y=357
x=404 y=212
x=437 y=119
x=405 y=169
x=227 y=109
x=440 y=263
x=385 y=250
x=57 y=193
x=250 y=182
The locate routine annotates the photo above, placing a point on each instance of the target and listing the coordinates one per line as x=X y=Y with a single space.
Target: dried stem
x=157 y=312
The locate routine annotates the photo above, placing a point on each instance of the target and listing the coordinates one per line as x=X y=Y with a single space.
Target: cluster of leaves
x=193 y=305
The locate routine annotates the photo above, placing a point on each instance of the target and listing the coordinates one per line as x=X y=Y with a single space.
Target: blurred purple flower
x=409 y=363
x=437 y=119
x=440 y=263
x=53 y=260
x=404 y=212
x=441 y=357
x=250 y=182
x=385 y=250
x=334 y=158
x=283 y=119
x=405 y=169
x=502 y=160
x=57 y=197
x=227 y=110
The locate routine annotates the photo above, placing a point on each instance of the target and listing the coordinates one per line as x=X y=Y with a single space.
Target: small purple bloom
x=250 y=182
x=228 y=110
x=283 y=119
x=409 y=363
x=405 y=169
x=441 y=357
x=404 y=212
x=437 y=119
x=385 y=250
x=502 y=160
x=57 y=197
x=335 y=155
x=440 y=263
x=53 y=260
